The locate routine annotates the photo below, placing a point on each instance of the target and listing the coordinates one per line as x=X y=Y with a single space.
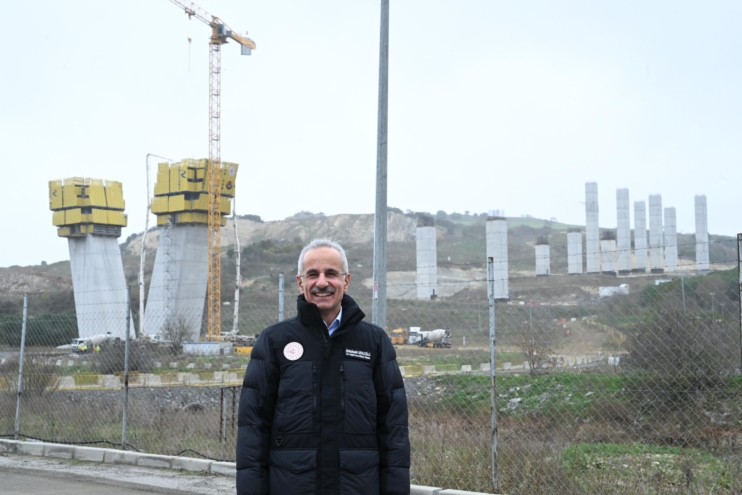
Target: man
x=323 y=407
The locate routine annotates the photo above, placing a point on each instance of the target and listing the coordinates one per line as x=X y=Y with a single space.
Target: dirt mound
x=355 y=229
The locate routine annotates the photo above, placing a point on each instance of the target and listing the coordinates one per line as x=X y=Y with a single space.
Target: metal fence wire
x=632 y=390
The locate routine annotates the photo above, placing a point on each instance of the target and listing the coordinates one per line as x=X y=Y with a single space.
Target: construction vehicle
x=435 y=338
x=414 y=335
x=399 y=336
x=220 y=34
x=242 y=344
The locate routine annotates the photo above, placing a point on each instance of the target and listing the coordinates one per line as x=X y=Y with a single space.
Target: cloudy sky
x=493 y=105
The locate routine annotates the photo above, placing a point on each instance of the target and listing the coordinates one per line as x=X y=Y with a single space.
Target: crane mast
x=220 y=33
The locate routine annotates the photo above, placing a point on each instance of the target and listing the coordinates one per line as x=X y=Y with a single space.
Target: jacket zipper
x=342 y=389
x=314 y=388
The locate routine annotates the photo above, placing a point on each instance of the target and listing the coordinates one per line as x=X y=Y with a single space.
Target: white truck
x=435 y=338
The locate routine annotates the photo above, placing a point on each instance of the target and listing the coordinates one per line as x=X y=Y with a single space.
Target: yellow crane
x=220 y=34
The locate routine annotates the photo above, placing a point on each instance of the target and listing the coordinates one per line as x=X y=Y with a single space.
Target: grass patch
x=652 y=467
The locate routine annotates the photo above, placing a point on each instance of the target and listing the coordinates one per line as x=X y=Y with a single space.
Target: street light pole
x=378 y=304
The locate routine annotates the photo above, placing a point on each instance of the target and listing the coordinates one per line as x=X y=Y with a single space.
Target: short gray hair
x=321 y=243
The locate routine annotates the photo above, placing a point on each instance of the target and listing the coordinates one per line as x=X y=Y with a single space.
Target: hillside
x=269 y=248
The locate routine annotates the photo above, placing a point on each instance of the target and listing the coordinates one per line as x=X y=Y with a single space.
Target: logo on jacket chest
x=362 y=355
x=293 y=351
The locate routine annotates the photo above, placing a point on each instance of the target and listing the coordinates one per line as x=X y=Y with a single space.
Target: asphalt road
x=33 y=482
x=37 y=475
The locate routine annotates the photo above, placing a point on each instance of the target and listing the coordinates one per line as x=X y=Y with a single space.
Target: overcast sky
x=493 y=105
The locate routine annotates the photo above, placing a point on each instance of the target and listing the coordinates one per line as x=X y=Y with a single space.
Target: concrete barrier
x=424 y=490
x=110 y=381
x=188 y=464
x=484 y=366
x=428 y=370
x=155 y=461
x=66 y=383
x=114 y=456
x=61 y=451
x=507 y=365
x=466 y=368
x=93 y=454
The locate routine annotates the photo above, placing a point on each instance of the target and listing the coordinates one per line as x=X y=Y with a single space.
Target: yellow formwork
x=162 y=186
x=226 y=206
x=192 y=217
x=176 y=203
x=115 y=195
x=58 y=218
x=117 y=218
x=96 y=193
x=99 y=216
x=160 y=205
x=229 y=177
x=201 y=204
x=71 y=195
x=73 y=216
x=55 y=195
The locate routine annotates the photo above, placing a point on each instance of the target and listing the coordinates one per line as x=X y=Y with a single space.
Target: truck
x=414 y=335
x=398 y=336
x=435 y=338
x=89 y=343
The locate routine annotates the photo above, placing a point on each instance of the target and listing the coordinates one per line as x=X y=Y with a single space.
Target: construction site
x=602 y=355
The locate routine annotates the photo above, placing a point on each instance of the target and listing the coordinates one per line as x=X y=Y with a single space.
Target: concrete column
x=427 y=266
x=656 y=248
x=592 y=228
x=99 y=285
x=608 y=252
x=640 y=236
x=623 y=231
x=702 y=233
x=574 y=252
x=496 y=232
x=671 y=241
x=178 y=287
x=543 y=258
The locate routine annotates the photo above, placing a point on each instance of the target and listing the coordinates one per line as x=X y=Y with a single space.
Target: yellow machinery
x=220 y=33
x=399 y=336
x=87 y=206
x=181 y=194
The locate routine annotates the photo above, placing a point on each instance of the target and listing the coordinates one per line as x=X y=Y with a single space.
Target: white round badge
x=293 y=351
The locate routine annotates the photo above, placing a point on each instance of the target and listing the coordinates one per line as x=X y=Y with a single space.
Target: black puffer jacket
x=333 y=420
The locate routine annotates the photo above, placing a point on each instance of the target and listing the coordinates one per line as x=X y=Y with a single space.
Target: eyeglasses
x=329 y=275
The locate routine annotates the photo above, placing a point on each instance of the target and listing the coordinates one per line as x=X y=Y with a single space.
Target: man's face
x=323 y=281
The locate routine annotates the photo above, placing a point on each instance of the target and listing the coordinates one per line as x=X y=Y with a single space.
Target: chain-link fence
x=603 y=384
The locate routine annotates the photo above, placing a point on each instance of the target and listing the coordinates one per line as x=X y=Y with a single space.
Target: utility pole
x=739 y=306
x=493 y=372
x=378 y=305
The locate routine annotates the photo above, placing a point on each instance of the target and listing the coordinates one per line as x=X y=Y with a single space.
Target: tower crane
x=220 y=34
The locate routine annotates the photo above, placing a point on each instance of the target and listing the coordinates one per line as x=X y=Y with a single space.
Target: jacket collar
x=310 y=317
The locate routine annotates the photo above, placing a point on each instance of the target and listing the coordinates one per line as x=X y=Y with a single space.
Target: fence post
x=682 y=285
x=493 y=369
x=126 y=370
x=20 y=368
x=238 y=276
x=739 y=274
x=280 y=297
x=222 y=417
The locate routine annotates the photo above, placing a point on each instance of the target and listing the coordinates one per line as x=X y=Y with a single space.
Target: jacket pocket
x=295 y=404
x=358 y=398
x=359 y=472
x=292 y=471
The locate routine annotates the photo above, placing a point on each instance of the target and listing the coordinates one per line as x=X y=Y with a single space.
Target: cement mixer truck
x=435 y=338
